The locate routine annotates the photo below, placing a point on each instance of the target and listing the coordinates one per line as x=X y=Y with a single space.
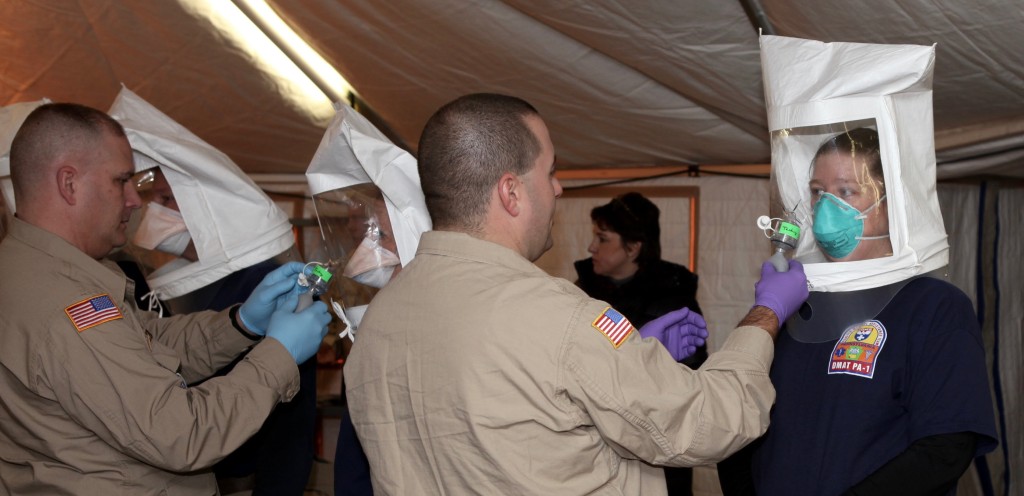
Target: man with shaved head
x=82 y=157
x=475 y=372
x=95 y=394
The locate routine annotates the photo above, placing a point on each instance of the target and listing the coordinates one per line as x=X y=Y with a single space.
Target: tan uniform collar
x=105 y=273
x=461 y=245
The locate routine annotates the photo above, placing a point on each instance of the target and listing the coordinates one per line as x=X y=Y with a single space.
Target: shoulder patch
x=856 y=352
x=92 y=312
x=613 y=325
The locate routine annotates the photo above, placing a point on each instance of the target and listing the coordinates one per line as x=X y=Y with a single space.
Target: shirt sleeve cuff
x=237 y=324
x=752 y=340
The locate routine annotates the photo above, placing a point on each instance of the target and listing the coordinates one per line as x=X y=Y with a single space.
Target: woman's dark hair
x=635 y=219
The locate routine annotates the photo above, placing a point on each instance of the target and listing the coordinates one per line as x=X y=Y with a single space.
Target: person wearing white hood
x=162 y=227
x=279 y=457
x=100 y=397
x=881 y=378
x=363 y=230
x=371 y=212
x=206 y=238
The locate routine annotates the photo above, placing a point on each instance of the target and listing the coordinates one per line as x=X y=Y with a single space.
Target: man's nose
x=132 y=199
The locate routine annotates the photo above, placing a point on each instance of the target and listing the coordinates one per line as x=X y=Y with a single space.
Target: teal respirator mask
x=839 y=226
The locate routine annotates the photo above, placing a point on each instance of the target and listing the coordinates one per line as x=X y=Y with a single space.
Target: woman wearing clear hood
x=896 y=402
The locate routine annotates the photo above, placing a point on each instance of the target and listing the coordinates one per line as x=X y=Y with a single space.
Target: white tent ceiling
x=620 y=83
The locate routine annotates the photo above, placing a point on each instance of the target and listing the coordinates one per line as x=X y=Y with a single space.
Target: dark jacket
x=653 y=291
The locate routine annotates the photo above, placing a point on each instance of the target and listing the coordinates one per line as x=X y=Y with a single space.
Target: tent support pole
x=757 y=16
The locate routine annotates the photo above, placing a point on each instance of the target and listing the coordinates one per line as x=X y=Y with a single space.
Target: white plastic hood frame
x=352 y=152
x=11 y=118
x=810 y=83
x=233 y=223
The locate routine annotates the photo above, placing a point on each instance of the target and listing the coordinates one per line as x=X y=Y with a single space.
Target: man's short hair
x=49 y=132
x=465 y=148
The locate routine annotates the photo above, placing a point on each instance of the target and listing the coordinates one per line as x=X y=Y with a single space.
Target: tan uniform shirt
x=476 y=372
x=95 y=399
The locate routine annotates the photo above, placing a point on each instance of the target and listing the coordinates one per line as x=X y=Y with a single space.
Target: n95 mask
x=162 y=229
x=371 y=264
x=838 y=226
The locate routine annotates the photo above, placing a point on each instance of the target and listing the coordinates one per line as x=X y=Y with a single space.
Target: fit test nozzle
x=317 y=282
x=784 y=234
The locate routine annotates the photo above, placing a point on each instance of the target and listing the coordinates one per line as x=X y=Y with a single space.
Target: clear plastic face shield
x=839 y=196
x=159 y=234
x=359 y=246
x=828 y=206
x=158 y=238
x=161 y=226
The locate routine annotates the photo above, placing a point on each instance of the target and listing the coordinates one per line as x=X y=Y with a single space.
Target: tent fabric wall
x=1007 y=324
x=987 y=263
x=986 y=254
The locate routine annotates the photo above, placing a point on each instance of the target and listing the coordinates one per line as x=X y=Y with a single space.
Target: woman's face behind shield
x=847 y=188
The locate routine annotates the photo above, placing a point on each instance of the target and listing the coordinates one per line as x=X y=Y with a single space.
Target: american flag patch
x=93 y=312
x=614 y=326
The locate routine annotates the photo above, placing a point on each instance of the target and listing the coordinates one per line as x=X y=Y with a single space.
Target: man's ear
x=510 y=191
x=67 y=183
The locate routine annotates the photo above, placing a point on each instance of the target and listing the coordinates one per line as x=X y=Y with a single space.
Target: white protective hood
x=233 y=223
x=352 y=152
x=810 y=83
x=11 y=118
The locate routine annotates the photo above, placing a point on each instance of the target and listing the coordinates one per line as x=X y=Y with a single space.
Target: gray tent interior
x=637 y=84
x=621 y=84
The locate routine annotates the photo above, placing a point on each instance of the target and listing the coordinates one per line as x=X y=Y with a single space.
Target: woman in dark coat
x=625 y=269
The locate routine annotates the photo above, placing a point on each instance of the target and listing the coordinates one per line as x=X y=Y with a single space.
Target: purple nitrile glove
x=781 y=292
x=680 y=331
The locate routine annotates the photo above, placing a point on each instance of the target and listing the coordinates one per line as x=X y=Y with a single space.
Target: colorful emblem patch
x=92 y=312
x=613 y=325
x=856 y=352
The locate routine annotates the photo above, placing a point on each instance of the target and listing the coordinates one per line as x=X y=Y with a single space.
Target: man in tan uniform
x=95 y=393
x=476 y=372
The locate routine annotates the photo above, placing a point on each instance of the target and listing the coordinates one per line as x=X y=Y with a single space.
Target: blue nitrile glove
x=255 y=312
x=781 y=292
x=299 y=332
x=681 y=331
